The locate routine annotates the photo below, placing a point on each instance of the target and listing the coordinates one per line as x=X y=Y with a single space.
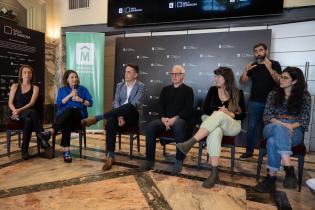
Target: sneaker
x=246 y=156
x=67 y=157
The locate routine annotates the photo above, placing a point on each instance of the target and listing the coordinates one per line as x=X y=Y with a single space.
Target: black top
x=213 y=101
x=177 y=102
x=21 y=99
x=262 y=82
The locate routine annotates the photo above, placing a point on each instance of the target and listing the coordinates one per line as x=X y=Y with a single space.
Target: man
x=264 y=74
x=126 y=107
x=176 y=108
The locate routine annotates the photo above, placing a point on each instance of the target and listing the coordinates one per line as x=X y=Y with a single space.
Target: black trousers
x=155 y=128
x=31 y=122
x=131 y=116
x=69 y=120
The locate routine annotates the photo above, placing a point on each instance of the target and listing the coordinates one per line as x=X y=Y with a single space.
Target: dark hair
x=66 y=75
x=230 y=86
x=134 y=66
x=298 y=91
x=260 y=44
x=20 y=73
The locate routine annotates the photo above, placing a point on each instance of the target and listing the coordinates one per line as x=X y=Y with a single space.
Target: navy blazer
x=135 y=97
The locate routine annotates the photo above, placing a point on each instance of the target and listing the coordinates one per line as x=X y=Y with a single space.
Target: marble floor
x=41 y=183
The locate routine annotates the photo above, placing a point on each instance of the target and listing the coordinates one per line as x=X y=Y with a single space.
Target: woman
x=22 y=98
x=225 y=108
x=72 y=101
x=286 y=116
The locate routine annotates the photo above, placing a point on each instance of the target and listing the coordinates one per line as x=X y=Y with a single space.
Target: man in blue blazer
x=126 y=108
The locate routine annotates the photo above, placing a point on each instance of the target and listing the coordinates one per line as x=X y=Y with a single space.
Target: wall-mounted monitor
x=139 y=12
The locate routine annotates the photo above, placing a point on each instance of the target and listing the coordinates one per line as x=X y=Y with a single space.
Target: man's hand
x=250 y=66
x=121 y=121
x=165 y=121
x=268 y=64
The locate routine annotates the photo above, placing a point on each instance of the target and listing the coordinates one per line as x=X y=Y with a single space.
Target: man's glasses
x=176 y=74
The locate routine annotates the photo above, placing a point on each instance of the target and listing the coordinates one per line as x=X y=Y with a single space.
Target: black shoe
x=268 y=185
x=246 y=156
x=212 y=179
x=147 y=165
x=177 y=167
x=290 y=180
x=25 y=155
x=43 y=139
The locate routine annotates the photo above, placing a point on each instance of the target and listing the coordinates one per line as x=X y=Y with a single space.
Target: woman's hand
x=226 y=111
x=77 y=99
x=289 y=126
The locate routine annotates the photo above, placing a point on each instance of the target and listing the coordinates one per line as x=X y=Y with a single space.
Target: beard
x=260 y=58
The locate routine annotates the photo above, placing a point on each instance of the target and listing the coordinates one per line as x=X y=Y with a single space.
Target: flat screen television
x=123 y=13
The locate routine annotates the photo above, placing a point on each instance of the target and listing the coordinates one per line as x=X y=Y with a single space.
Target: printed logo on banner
x=244 y=55
x=153 y=113
x=157 y=48
x=189 y=65
x=207 y=56
x=225 y=65
x=156 y=65
x=142 y=57
x=143 y=73
x=172 y=56
x=185 y=47
x=154 y=97
x=128 y=50
x=85 y=53
x=226 y=46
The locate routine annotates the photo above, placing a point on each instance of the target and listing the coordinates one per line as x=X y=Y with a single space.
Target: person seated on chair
x=225 y=108
x=286 y=116
x=126 y=108
x=176 y=111
x=22 y=98
x=72 y=101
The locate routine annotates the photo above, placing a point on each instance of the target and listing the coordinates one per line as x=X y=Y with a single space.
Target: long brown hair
x=21 y=70
x=66 y=75
x=230 y=87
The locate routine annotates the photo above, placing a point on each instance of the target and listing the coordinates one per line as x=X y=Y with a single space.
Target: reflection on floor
x=41 y=183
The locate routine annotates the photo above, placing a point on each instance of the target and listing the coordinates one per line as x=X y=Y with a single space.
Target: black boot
x=24 y=150
x=25 y=155
x=212 y=179
x=147 y=165
x=43 y=138
x=290 y=180
x=186 y=146
x=268 y=185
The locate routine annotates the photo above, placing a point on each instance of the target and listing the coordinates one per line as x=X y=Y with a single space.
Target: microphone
x=75 y=87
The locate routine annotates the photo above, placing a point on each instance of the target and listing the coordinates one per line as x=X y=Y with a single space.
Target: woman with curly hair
x=286 y=116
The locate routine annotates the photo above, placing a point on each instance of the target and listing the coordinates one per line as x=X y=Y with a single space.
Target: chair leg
x=84 y=137
x=199 y=154
x=119 y=141
x=8 y=142
x=232 y=159
x=131 y=145
x=53 y=141
x=38 y=147
x=138 y=141
x=164 y=149
x=300 y=171
x=19 y=135
x=260 y=159
x=80 y=142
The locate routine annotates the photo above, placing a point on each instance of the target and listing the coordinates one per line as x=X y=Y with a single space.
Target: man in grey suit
x=126 y=107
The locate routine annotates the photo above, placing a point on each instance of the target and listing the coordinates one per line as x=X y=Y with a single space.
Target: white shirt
x=129 y=88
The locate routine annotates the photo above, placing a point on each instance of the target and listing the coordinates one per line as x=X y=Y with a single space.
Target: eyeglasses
x=176 y=74
x=284 y=77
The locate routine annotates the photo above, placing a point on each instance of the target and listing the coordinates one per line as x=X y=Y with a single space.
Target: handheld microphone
x=75 y=87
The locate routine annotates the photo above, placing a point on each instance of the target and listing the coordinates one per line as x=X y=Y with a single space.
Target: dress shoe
x=109 y=161
x=25 y=155
x=268 y=185
x=43 y=139
x=88 y=121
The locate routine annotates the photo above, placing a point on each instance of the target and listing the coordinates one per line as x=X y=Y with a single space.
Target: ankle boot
x=268 y=185
x=212 y=179
x=186 y=146
x=290 y=180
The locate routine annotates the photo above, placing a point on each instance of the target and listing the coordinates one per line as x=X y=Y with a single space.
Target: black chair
x=81 y=131
x=227 y=141
x=299 y=151
x=14 y=127
x=134 y=133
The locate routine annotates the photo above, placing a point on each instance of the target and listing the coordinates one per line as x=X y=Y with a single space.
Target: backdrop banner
x=85 y=54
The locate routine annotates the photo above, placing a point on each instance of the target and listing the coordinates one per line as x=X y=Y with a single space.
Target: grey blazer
x=135 y=97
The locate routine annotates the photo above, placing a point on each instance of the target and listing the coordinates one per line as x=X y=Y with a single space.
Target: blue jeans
x=255 y=112
x=279 y=142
